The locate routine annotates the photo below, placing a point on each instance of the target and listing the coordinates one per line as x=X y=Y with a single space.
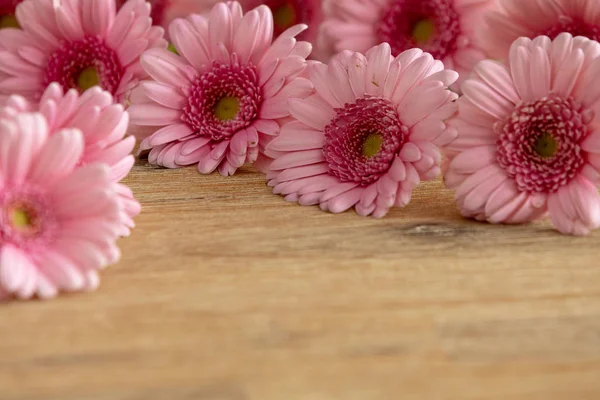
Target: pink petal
x=491 y=171
x=226 y=168
x=312 y=111
x=60 y=271
x=58 y=157
x=247 y=36
x=302 y=172
x=14 y=267
x=497 y=77
x=297 y=159
x=169 y=133
x=20 y=144
x=410 y=153
x=318 y=183
x=344 y=201
x=519 y=67
x=150 y=114
x=165 y=67
x=575 y=208
x=188 y=45
x=297 y=136
x=487 y=99
x=208 y=164
x=474 y=159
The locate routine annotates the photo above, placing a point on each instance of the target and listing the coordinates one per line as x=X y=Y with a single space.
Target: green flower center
x=9 y=21
x=88 y=78
x=227 y=108
x=372 y=145
x=21 y=218
x=423 y=31
x=284 y=16
x=172 y=48
x=545 y=145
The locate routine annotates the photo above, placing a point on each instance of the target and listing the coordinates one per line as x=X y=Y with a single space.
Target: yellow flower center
x=9 y=21
x=21 y=218
x=227 y=108
x=372 y=145
x=284 y=16
x=545 y=145
x=423 y=31
x=88 y=78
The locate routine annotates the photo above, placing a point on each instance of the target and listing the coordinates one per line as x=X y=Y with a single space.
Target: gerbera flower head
x=512 y=19
x=103 y=125
x=287 y=13
x=367 y=135
x=7 y=14
x=58 y=222
x=165 y=11
x=79 y=44
x=528 y=136
x=219 y=101
x=444 y=28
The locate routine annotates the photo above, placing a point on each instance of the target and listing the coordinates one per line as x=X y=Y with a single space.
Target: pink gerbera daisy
x=165 y=11
x=444 y=28
x=529 y=138
x=7 y=13
x=220 y=102
x=78 y=44
x=287 y=13
x=367 y=135
x=531 y=18
x=58 y=223
x=103 y=125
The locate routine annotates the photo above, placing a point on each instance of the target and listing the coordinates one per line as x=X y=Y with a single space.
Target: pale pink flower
x=367 y=135
x=444 y=28
x=220 y=101
x=104 y=126
x=165 y=11
x=7 y=13
x=529 y=138
x=58 y=223
x=513 y=19
x=78 y=44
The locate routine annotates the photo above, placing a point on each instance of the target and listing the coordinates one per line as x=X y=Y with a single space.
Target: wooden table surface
x=227 y=292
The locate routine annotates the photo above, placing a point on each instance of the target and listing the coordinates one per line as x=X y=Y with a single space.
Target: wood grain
x=226 y=292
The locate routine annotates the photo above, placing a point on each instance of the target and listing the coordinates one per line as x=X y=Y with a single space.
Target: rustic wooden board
x=226 y=292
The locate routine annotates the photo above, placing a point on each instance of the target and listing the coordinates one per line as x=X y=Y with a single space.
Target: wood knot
x=433 y=229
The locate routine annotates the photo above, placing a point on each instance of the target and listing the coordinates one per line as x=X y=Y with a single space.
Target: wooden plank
x=226 y=292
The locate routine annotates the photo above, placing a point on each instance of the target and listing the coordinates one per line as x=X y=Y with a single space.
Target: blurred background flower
x=517 y=18
x=444 y=28
x=165 y=11
x=7 y=13
x=79 y=44
x=287 y=13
